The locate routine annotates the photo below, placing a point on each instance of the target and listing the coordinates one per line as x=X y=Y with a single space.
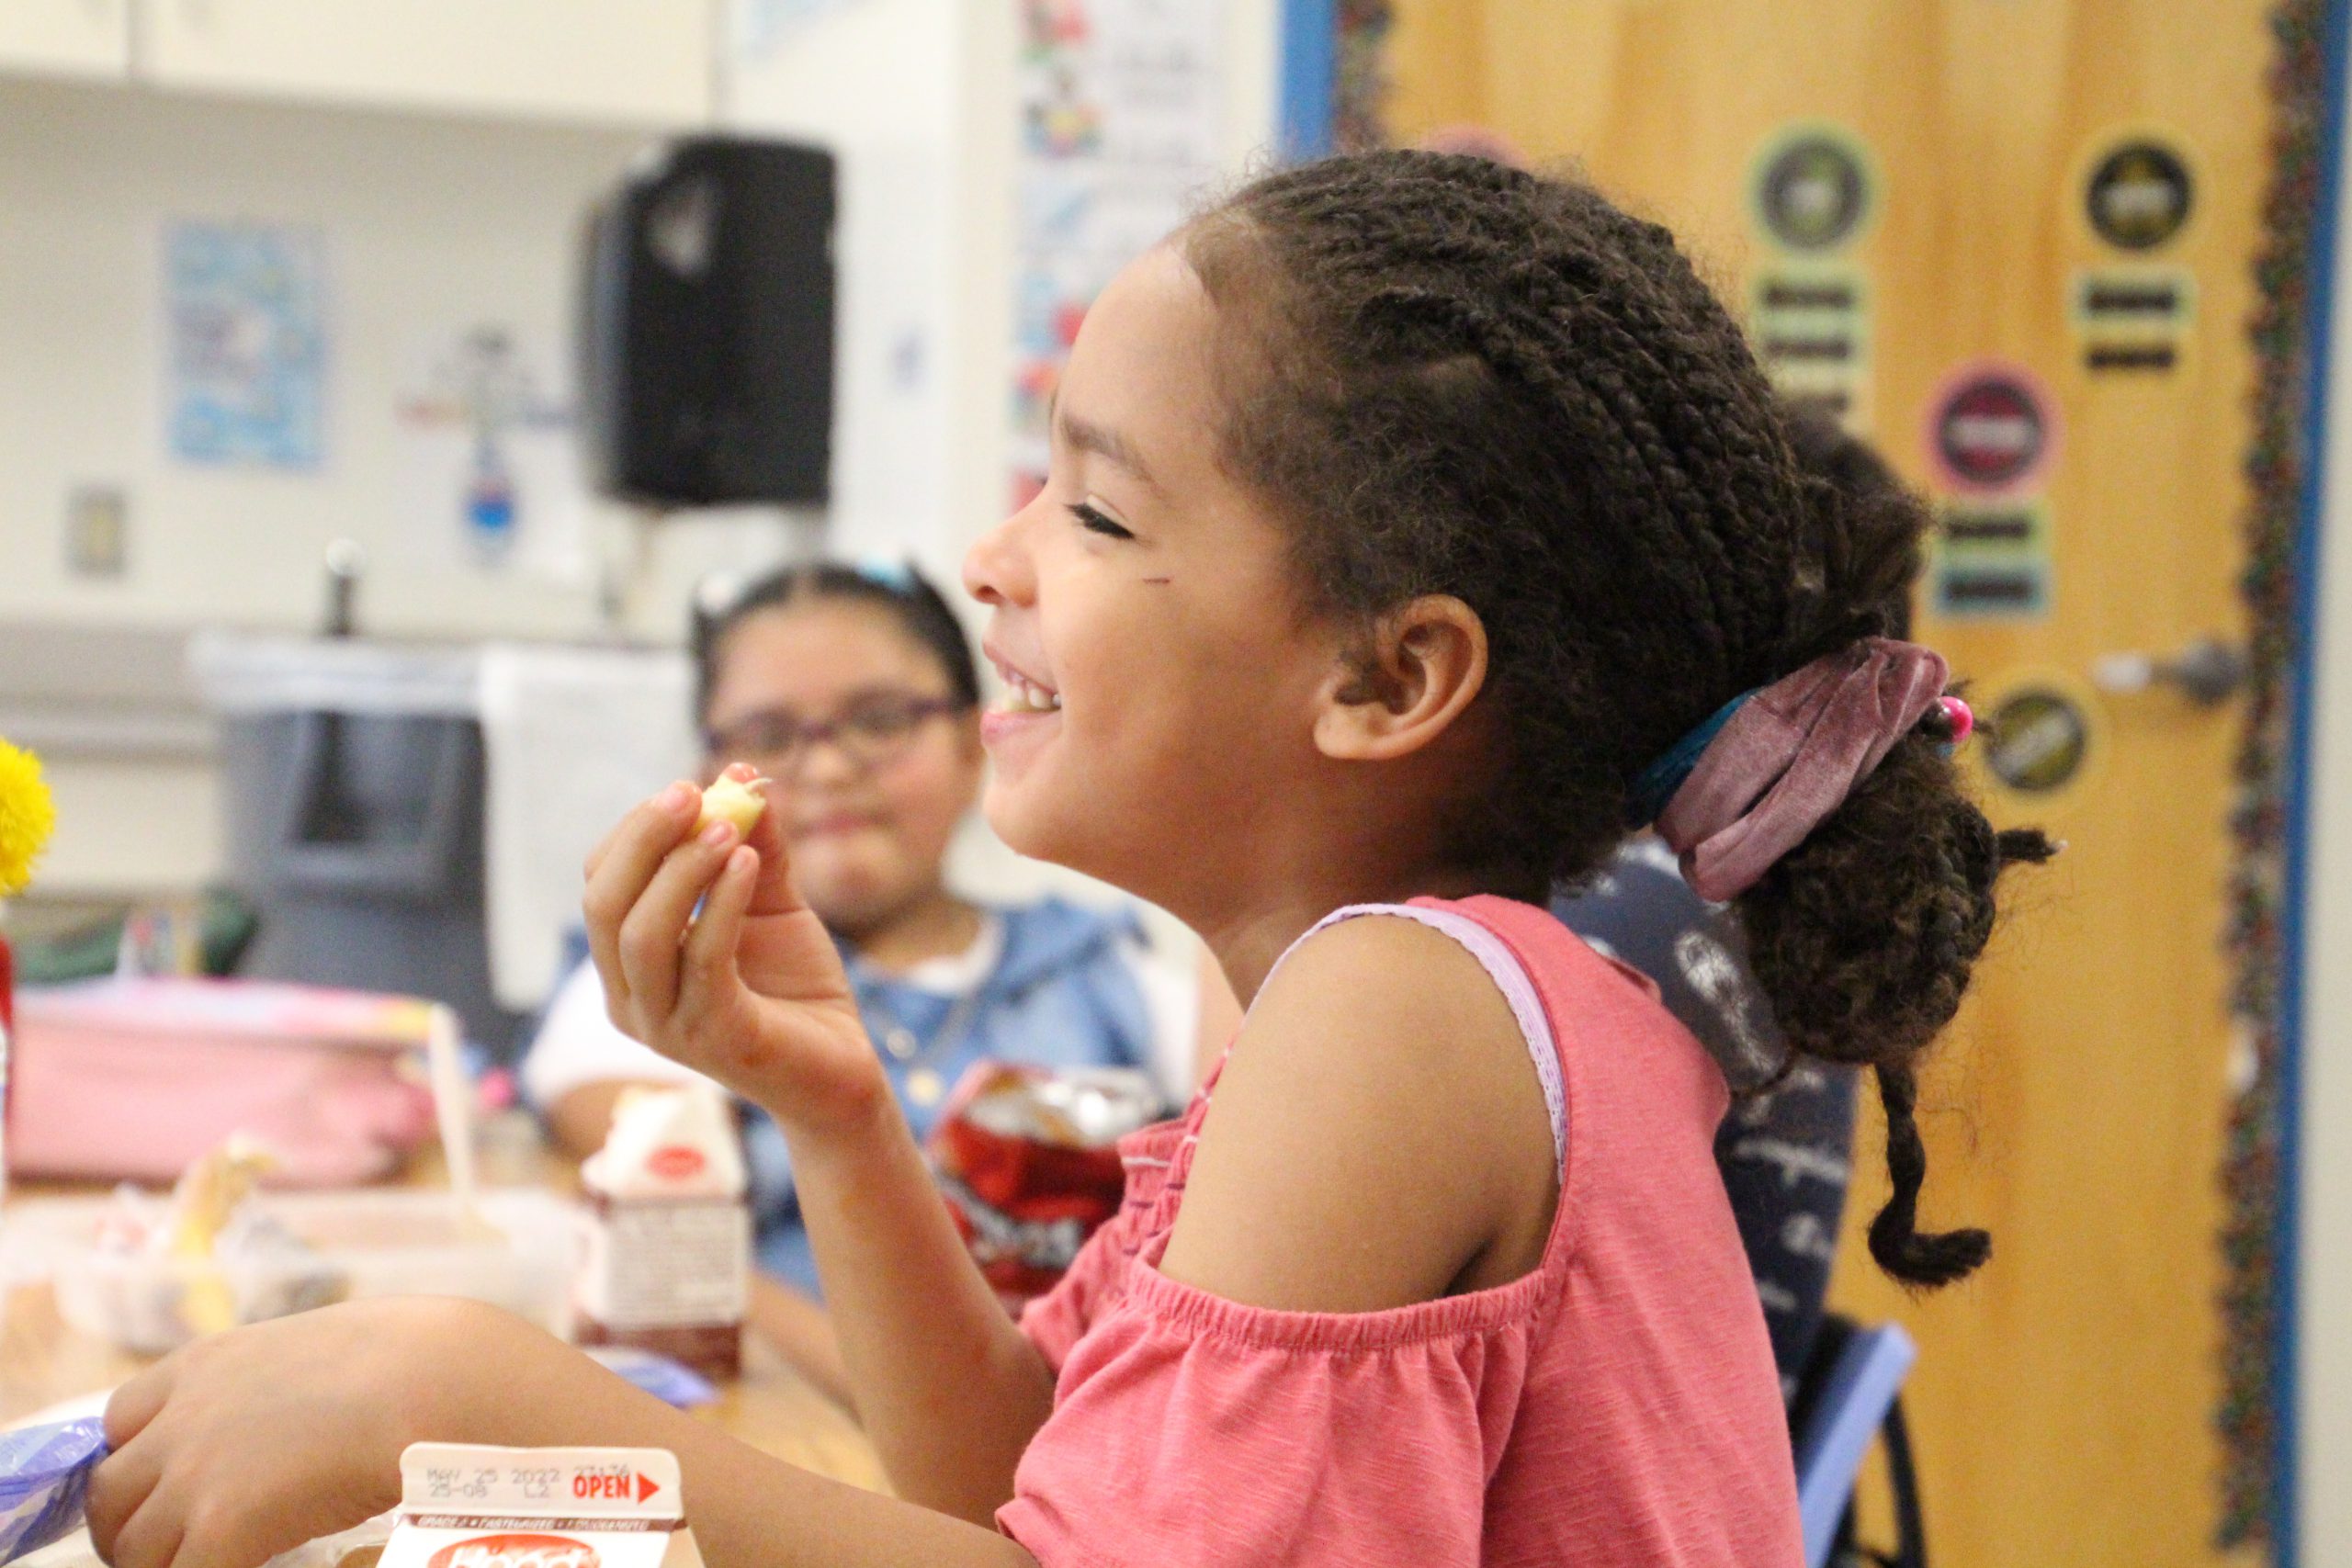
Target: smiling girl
x=1414 y=527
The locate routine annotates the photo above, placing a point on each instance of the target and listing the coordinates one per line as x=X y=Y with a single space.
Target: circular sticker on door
x=2035 y=740
x=1991 y=428
x=1813 y=190
x=2139 y=193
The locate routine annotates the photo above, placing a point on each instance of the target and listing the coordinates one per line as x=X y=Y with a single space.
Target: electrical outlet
x=98 y=530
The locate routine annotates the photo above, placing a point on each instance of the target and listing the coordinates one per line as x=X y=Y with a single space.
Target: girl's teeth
x=1026 y=697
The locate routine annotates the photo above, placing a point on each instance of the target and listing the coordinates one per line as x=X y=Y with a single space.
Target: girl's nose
x=997 y=569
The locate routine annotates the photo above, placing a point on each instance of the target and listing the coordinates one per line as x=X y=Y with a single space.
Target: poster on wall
x=1991 y=437
x=2134 y=309
x=1812 y=193
x=244 y=343
x=1120 y=133
x=490 y=472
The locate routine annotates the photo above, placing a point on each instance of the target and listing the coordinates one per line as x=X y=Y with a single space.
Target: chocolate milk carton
x=668 y=1261
x=463 y=1505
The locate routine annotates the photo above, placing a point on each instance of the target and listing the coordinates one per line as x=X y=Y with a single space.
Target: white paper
x=573 y=739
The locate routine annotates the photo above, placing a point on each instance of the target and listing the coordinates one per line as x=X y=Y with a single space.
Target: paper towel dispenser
x=706 y=336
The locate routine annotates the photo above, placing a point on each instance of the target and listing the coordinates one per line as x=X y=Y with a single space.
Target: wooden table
x=44 y=1362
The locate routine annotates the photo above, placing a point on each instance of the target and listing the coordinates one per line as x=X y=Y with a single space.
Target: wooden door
x=2089 y=381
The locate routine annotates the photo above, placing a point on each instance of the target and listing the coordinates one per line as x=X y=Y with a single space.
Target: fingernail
x=676 y=797
x=718 y=833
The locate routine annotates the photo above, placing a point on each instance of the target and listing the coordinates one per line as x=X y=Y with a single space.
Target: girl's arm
x=245 y=1446
x=800 y=1332
x=751 y=991
x=1378 y=1138
x=948 y=1388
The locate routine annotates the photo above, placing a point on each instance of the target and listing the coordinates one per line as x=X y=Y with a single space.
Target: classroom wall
x=430 y=224
x=433 y=222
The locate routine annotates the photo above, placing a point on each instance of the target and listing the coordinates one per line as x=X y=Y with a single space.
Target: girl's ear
x=1425 y=665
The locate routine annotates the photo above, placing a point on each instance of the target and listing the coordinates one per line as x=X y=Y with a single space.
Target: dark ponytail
x=1863 y=937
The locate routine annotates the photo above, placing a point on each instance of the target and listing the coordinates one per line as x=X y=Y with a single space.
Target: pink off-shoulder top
x=1616 y=1406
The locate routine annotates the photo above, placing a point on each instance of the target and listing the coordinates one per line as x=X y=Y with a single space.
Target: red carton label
x=516 y=1552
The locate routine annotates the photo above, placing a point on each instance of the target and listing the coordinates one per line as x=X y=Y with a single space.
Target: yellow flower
x=27 y=815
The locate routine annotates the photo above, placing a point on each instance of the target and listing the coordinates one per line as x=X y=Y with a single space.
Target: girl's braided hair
x=1452 y=376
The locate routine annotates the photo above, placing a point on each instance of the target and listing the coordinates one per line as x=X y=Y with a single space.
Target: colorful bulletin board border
x=2290 y=336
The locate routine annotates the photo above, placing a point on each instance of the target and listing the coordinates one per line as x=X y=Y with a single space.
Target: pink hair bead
x=1962 y=717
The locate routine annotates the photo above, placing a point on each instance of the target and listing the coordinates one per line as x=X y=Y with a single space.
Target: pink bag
x=134 y=1078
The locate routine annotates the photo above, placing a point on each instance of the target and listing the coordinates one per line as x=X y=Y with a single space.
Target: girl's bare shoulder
x=1378 y=1125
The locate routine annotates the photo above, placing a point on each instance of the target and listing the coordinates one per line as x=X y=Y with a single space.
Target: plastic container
x=359 y=1245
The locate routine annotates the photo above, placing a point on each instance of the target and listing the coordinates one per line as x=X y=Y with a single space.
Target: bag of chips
x=1028 y=1160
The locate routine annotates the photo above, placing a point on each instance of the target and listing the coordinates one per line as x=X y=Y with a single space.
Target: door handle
x=2208 y=672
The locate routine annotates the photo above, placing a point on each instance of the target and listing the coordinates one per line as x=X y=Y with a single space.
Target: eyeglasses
x=870 y=732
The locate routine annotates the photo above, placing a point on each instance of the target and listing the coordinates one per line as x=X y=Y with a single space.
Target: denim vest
x=1062 y=995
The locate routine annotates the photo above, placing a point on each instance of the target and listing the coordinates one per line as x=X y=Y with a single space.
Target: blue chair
x=1850 y=1402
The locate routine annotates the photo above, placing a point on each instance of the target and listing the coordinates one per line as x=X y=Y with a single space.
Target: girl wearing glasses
x=856 y=689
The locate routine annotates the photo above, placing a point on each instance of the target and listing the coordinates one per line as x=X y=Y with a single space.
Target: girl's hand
x=243 y=1446
x=752 y=992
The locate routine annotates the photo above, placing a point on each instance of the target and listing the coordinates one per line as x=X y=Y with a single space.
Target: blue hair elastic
x=1659 y=782
x=894 y=575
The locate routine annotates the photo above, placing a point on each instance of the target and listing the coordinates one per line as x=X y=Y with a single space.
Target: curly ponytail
x=1863 y=938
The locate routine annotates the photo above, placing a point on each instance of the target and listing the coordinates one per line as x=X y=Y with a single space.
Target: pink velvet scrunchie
x=1791 y=756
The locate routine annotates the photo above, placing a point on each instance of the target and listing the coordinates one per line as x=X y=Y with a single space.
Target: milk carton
x=463 y=1505
x=668 y=1261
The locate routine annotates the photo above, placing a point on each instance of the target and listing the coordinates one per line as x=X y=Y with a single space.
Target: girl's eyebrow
x=1084 y=436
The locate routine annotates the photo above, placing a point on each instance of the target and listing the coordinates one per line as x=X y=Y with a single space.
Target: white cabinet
x=634 y=62
x=65 y=37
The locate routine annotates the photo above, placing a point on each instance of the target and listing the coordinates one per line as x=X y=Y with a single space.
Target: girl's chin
x=1037 y=829
x=1009 y=806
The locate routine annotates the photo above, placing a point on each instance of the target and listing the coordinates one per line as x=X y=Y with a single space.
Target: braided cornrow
x=1454 y=376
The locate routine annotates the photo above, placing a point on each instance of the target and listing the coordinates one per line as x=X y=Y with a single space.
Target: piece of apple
x=733 y=800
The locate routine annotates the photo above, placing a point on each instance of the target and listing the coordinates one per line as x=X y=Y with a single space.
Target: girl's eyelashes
x=1097 y=520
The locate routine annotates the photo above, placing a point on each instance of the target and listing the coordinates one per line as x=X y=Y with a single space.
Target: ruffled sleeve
x=1192 y=1429
x=1058 y=1319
